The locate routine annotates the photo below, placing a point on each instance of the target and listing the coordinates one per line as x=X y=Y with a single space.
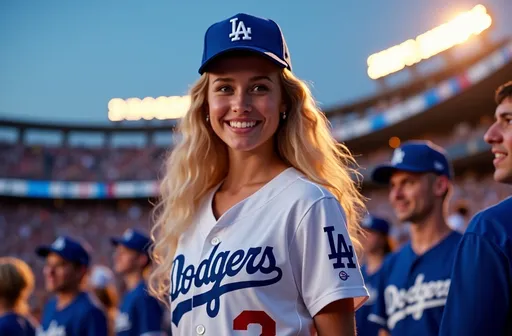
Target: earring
x=283 y=115
x=207 y=118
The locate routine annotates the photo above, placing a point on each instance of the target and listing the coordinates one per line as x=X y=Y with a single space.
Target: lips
x=499 y=156
x=242 y=126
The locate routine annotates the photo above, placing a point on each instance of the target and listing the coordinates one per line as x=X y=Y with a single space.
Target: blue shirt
x=139 y=314
x=82 y=317
x=481 y=294
x=12 y=324
x=365 y=327
x=412 y=289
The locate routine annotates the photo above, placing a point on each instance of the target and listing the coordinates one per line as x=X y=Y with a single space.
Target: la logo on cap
x=240 y=29
x=398 y=156
x=128 y=234
x=59 y=244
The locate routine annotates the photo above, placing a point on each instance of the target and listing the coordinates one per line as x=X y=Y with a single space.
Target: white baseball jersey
x=268 y=265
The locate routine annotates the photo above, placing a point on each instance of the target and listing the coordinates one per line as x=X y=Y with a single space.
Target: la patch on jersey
x=267 y=265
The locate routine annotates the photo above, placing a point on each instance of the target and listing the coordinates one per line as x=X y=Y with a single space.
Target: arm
x=479 y=292
x=94 y=324
x=336 y=319
x=150 y=315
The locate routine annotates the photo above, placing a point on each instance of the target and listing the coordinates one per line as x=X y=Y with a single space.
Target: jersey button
x=200 y=329
x=215 y=241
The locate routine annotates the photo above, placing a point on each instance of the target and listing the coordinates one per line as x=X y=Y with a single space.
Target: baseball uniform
x=12 y=324
x=82 y=317
x=267 y=265
x=480 y=298
x=412 y=289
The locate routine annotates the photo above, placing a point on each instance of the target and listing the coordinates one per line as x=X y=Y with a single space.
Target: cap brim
x=382 y=174
x=43 y=251
x=116 y=241
x=265 y=53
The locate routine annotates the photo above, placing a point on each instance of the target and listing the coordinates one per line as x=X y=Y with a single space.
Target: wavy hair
x=16 y=284
x=200 y=161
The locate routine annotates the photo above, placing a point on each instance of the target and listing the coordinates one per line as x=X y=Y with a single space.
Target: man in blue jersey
x=480 y=299
x=377 y=244
x=139 y=314
x=413 y=282
x=71 y=312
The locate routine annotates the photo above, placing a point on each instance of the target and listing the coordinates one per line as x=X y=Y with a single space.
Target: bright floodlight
x=149 y=108
x=431 y=43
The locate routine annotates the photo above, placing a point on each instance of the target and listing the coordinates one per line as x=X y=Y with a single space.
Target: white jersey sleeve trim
x=359 y=294
x=377 y=319
x=153 y=333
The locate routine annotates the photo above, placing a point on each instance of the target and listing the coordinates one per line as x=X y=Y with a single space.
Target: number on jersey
x=268 y=325
x=339 y=249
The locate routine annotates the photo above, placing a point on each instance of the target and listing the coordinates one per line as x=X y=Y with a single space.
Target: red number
x=268 y=325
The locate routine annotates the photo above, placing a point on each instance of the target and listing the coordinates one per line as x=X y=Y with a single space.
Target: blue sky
x=64 y=60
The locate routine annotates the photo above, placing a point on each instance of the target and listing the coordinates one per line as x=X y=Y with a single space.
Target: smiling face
x=499 y=136
x=245 y=102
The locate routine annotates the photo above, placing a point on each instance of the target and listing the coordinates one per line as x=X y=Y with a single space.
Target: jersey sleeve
x=323 y=260
x=149 y=316
x=378 y=314
x=94 y=324
x=480 y=293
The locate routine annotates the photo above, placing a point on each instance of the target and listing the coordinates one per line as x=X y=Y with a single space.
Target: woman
x=377 y=245
x=256 y=229
x=16 y=286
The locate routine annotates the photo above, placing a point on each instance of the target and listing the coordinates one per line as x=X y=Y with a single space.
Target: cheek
x=217 y=108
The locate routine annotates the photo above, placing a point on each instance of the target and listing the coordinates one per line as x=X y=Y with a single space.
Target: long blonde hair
x=16 y=284
x=199 y=162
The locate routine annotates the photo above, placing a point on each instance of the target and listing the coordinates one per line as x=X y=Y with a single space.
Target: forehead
x=505 y=107
x=400 y=175
x=54 y=258
x=240 y=64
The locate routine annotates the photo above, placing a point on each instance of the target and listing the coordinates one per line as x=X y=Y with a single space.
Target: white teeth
x=242 y=124
x=499 y=155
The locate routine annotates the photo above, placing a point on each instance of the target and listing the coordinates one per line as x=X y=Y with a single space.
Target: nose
x=395 y=193
x=242 y=102
x=493 y=134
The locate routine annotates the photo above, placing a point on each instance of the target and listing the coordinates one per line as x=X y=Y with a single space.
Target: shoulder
x=91 y=305
x=303 y=193
x=493 y=223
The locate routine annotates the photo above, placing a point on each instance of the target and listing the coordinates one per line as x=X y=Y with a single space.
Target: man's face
x=499 y=136
x=61 y=275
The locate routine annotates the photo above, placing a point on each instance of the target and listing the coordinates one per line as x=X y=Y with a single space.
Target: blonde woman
x=256 y=230
x=16 y=286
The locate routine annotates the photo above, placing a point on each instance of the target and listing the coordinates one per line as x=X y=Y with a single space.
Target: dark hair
x=503 y=92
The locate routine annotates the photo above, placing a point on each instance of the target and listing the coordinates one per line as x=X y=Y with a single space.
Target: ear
x=441 y=186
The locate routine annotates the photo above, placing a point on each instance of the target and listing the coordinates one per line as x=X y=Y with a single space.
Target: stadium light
x=149 y=108
x=431 y=43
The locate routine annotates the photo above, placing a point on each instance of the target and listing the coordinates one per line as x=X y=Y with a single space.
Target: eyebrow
x=252 y=79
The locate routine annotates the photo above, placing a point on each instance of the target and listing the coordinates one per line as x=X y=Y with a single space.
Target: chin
x=503 y=176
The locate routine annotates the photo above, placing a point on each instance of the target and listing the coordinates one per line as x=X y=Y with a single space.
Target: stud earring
x=283 y=115
x=207 y=118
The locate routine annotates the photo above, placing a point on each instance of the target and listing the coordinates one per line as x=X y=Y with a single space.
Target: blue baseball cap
x=68 y=248
x=249 y=33
x=134 y=240
x=374 y=223
x=417 y=157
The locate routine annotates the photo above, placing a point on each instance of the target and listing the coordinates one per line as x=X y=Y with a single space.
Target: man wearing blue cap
x=377 y=245
x=139 y=313
x=480 y=298
x=71 y=312
x=413 y=283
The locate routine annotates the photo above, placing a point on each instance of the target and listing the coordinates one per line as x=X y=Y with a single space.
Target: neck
x=373 y=262
x=249 y=168
x=4 y=309
x=65 y=298
x=429 y=232
x=131 y=280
